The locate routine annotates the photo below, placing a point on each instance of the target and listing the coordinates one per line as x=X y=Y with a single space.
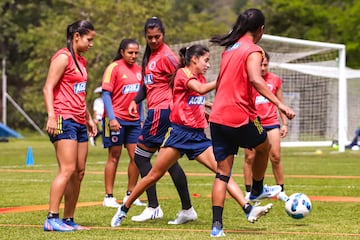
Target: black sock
x=248 y=188
x=247 y=208
x=128 y=193
x=124 y=209
x=52 y=215
x=217 y=214
x=282 y=187
x=179 y=178
x=109 y=195
x=257 y=187
x=142 y=159
x=68 y=219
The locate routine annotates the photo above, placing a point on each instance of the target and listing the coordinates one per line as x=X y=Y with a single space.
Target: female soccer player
x=69 y=123
x=270 y=121
x=158 y=65
x=121 y=82
x=233 y=121
x=187 y=132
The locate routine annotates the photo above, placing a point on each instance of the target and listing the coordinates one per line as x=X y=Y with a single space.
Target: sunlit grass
x=305 y=171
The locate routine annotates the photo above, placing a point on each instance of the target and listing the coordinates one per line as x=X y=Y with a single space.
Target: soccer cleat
x=118 y=218
x=217 y=230
x=137 y=202
x=349 y=146
x=76 y=226
x=282 y=197
x=184 y=216
x=55 y=224
x=268 y=192
x=148 y=214
x=258 y=211
x=110 y=202
x=247 y=196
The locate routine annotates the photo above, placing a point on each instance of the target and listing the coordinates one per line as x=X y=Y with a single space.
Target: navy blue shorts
x=127 y=134
x=227 y=140
x=189 y=141
x=155 y=127
x=69 y=129
x=268 y=128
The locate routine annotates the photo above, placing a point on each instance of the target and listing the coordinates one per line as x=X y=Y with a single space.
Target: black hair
x=123 y=45
x=249 y=21
x=82 y=27
x=186 y=53
x=151 y=23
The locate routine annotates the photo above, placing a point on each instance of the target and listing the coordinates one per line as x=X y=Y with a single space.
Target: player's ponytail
x=82 y=27
x=249 y=21
x=185 y=54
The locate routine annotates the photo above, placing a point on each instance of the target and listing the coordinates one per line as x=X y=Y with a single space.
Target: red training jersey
x=123 y=81
x=233 y=104
x=265 y=109
x=70 y=91
x=162 y=64
x=188 y=105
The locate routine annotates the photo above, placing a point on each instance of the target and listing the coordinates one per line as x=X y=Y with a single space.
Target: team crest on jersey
x=80 y=87
x=196 y=100
x=138 y=76
x=124 y=76
x=131 y=88
x=148 y=79
x=152 y=65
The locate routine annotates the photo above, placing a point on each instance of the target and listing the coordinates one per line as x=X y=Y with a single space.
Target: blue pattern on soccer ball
x=298 y=206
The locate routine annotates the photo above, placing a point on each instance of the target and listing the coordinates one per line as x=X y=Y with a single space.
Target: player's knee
x=222 y=177
x=275 y=159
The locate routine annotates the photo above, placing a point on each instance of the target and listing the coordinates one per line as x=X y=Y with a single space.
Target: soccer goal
x=314 y=85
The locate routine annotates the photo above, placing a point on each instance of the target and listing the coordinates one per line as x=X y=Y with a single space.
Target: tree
x=319 y=20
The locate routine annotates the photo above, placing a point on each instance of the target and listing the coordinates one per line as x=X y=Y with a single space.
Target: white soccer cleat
x=217 y=230
x=247 y=196
x=268 y=192
x=148 y=214
x=282 y=197
x=258 y=211
x=118 y=218
x=184 y=216
x=110 y=202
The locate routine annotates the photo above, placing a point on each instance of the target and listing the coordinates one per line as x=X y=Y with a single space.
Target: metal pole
x=4 y=90
x=25 y=115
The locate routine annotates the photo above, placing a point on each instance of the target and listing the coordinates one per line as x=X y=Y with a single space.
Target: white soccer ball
x=355 y=148
x=298 y=205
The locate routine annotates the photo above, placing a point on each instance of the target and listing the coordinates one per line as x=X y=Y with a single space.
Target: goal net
x=314 y=85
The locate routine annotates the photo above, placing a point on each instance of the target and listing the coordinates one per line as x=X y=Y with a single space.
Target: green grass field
x=321 y=176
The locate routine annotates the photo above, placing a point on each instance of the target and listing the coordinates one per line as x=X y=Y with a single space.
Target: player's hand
x=283 y=131
x=52 y=126
x=91 y=128
x=132 y=109
x=208 y=104
x=290 y=114
x=114 y=125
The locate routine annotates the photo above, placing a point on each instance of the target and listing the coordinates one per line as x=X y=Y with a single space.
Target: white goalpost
x=318 y=95
x=314 y=84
